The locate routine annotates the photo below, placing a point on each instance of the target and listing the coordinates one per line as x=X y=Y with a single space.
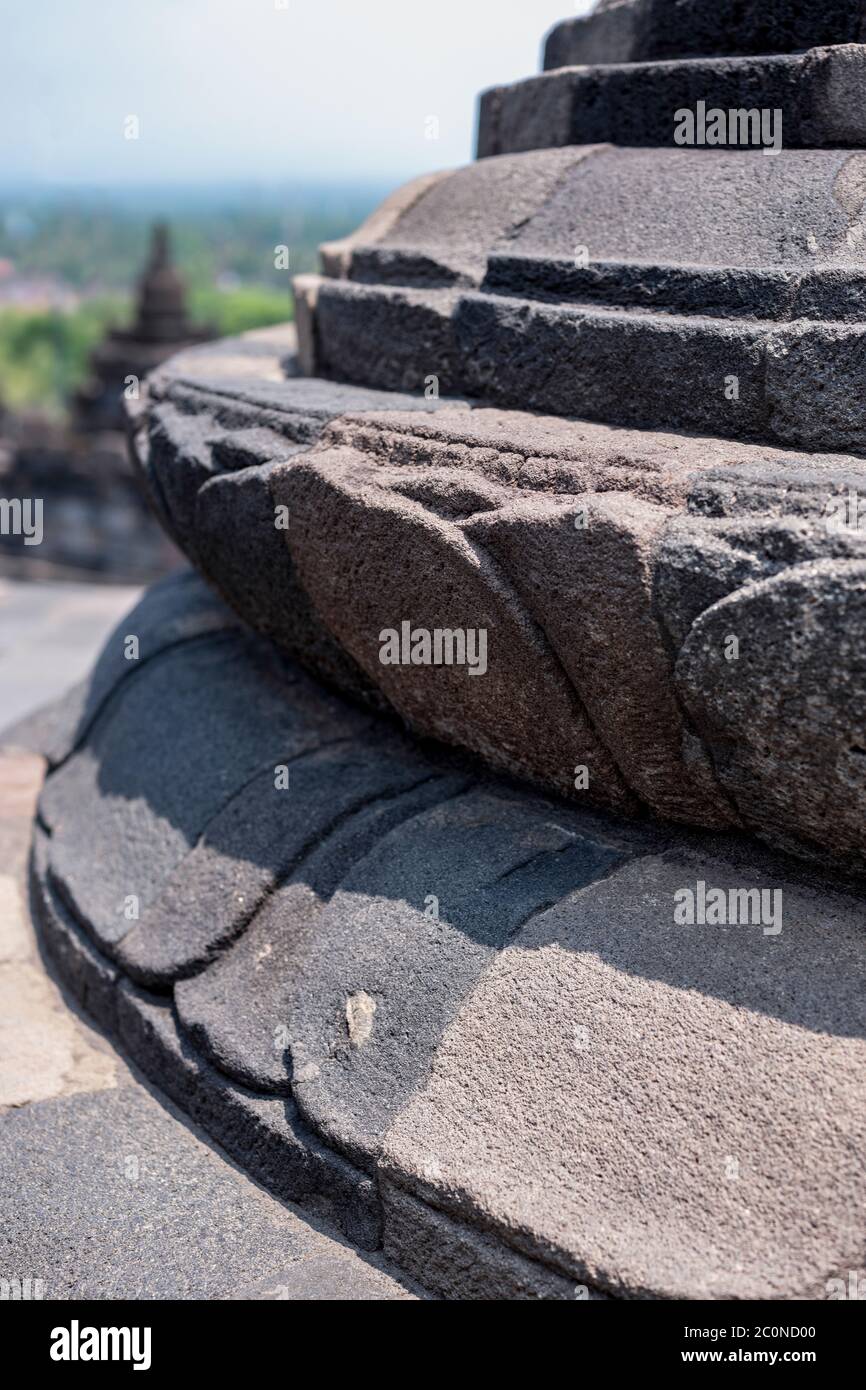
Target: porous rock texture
x=627 y=31
x=597 y=400
x=648 y=597
x=460 y=1020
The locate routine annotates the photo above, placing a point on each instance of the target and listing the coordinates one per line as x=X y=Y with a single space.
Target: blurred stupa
x=125 y=356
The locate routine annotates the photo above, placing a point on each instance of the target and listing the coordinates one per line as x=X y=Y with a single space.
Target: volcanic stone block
x=703 y=559
x=783 y=711
x=584 y=568
x=262 y=1132
x=403 y=941
x=369 y=335
x=263 y=834
x=237 y=1011
x=740 y=210
x=573 y=361
x=179 y=608
x=458 y=1262
x=485 y=1000
x=160 y=765
x=817 y=94
x=628 y=31
x=241 y=549
x=336 y=256
x=442 y=236
x=348 y=527
x=815 y=377
x=626 y=1132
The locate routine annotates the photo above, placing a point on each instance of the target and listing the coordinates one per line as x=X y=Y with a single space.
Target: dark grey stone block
x=261 y=1132
x=403 y=941
x=627 y=31
x=262 y=836
x=238 y=1011
x=636 y=103
x=159 y=766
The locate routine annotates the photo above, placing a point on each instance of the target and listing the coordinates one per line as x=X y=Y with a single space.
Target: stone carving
x=562 y=482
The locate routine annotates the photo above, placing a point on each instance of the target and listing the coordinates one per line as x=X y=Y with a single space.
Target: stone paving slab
x=49 y=637
x=110 y=1197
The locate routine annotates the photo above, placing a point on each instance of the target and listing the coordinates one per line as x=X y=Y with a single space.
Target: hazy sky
x=258 y=89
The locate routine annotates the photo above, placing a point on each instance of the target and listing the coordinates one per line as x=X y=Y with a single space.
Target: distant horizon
x=252 y=91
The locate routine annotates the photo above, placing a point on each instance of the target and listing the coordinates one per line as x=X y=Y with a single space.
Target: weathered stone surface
x=785 y=719
x=408 y=933
x=627 y=31
x=250 y=1042
x=684 y=1066
x=587 y=579
x=452 y=585
x=177 y=609
x=161 y=764
x=766 y=243
x=259 y=838
x=443 y=236
x=111 y=1196
x=493 y=1037
x=240 y=548
x=635 y=103
x=529 y=524
x=459 y=1262
x=742 y=211
x=472 y=1024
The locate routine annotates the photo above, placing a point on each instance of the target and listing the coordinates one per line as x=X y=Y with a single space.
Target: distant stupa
x=161 y=328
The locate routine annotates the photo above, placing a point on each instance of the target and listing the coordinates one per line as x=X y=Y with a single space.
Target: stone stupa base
x=458 y=1018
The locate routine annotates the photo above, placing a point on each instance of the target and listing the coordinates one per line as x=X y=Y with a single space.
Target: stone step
x=529 y=1051
x=758 y=275
x=836 y=294
x=797 y=383
x=798 y=211
x=628 y=31
x=818 y=93
x=485 y=502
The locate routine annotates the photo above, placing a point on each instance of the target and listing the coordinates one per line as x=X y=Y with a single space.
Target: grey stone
x=740 y=211
x=177 y=609
x=119 y=1171
x=335 y=497
x=159 y=766
x=261 y=836
x=590 y=588
x=520 y=1076
x=685 y=1121
x=785 y=718
x=108 y=1196
x=459 y=1262
x=372 y=334
x=261 y=1132
x=703 y=559
x=245 y=556
x=237 y=1011
x=635 y=103
x=626 y=31
x=404 y=939
x=444 y=235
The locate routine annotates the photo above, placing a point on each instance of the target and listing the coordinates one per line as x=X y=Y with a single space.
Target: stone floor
x=108 y=1191
x=49 y=637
